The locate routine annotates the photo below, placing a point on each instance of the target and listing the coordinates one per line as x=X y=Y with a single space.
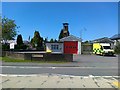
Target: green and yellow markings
x=117 y=84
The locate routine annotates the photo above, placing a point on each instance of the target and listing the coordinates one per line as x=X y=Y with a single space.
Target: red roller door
x=71 y=47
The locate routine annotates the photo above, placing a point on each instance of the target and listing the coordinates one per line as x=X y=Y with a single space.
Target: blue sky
x=99 y=18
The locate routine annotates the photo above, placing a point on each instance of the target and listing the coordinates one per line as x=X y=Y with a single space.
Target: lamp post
x=81 y=32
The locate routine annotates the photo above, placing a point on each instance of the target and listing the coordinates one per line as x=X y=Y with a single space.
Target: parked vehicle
x=102 y=49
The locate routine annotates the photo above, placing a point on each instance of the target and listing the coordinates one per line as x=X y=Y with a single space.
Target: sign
x=12 y=45
x=37 y=55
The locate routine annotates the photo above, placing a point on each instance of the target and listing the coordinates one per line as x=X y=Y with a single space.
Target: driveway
x=96 y=61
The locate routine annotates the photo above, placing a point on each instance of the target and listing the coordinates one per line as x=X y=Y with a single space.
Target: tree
x=55 y=40
x=61 y=34
x=46 y=40
x=51 y=40
x=8 y=29
x=19 y=40
x=20 y=44
x=0 y=36
x=117 y=48
x=37 y=40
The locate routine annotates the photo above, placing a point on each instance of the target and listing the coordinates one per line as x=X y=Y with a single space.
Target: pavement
x=58 y=81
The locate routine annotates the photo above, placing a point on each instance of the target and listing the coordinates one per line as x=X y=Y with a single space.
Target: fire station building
x=67 y=45
x=71 y=44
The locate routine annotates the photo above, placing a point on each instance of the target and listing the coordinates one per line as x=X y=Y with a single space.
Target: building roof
x=71 y=38
x=103 y=40
x=9 y=41
x=115 y=37
x=54 y=42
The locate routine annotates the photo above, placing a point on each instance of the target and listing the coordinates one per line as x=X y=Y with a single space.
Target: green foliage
x=46 y=40
x=21 y=47
x=117 y=48
x=8 y=29
x=61 y=34
x=51 y=40
x=37 y=41
x=5 y=47
x=8 y=59
x=19 y=40
x=0 y=28
x=44 y=44
x=86 y=42
x=55 y=40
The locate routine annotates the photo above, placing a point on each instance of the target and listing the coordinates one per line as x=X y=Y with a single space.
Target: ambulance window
x=106 y=47
x=101 y=48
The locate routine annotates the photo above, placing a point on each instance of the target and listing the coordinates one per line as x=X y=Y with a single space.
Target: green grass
x=8 y=59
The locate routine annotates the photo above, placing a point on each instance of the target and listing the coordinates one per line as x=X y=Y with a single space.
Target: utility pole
x=81 y=32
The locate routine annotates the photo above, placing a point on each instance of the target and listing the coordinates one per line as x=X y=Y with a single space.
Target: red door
x=70 y=47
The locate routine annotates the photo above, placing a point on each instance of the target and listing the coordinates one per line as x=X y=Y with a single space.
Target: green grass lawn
x=7 y=59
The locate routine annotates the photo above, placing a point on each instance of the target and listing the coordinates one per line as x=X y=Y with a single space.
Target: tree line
x=9 y=32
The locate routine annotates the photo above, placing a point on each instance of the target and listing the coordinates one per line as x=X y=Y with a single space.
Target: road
x=83 y=65
x=79 y=71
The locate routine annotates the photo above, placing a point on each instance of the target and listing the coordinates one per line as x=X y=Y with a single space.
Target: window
x=54 y=47
x=106 y=47
x=101 y=48
x=57 y=47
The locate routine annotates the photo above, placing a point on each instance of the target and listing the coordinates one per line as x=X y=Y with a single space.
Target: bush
x=21 y=47
x=5 y=47
x=117 y=48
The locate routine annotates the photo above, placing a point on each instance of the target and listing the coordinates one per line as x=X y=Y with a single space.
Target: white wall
x=60 y=47
x=79 y=47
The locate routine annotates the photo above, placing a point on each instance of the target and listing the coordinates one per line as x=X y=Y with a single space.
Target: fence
x=38 y=56
x=87 y=48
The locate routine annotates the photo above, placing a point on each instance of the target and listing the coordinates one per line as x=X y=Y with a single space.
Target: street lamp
x=81 y=32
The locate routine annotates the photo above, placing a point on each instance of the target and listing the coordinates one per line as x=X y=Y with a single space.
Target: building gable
x=70 y=38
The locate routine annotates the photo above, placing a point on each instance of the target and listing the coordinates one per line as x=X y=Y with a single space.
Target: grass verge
x=8 y=59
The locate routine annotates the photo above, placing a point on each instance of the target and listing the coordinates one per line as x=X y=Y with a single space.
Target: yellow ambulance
x=102 y=49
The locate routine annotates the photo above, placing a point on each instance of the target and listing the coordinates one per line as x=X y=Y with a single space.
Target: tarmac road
x=79 y=71
x=83 y=65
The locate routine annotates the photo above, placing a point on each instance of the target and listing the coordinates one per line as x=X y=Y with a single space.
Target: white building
x=56 y=47
x=115 y=38
x=67 y=45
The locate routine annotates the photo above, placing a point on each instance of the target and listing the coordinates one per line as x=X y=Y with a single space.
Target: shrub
x=117 y=48
x=21 y=47
x=5 y=47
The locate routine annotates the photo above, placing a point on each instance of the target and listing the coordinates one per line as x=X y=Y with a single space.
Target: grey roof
x=55 y=42
x=103 y=40
x=71 y=38
x=115 y=37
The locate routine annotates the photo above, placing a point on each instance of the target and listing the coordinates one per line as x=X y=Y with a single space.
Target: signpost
x=12 y=45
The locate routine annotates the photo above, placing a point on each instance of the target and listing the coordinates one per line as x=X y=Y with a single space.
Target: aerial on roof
x=71 y=38
x=115 y=37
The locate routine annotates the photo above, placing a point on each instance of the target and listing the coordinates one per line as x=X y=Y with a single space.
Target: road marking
x=117 y=84
x=53 y=67
x=59 y=67
x=52 y=74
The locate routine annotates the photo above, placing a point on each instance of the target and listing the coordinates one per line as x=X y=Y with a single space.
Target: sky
x=89 y=20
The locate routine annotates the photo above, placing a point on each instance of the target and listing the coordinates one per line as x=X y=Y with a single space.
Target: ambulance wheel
x=103 y=54
x=95 y=53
